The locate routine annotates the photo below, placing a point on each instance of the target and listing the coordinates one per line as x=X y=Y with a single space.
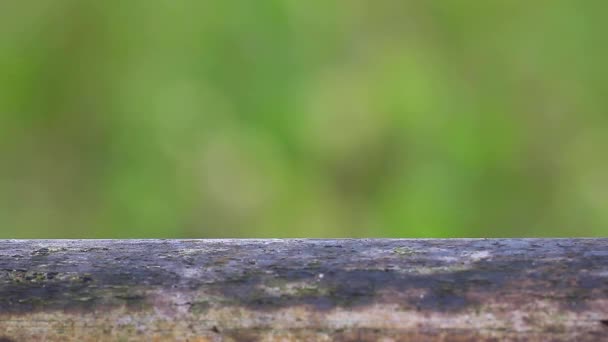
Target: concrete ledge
x=310 y=290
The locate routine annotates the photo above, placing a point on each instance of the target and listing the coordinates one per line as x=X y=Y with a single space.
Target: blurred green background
x=303 y=118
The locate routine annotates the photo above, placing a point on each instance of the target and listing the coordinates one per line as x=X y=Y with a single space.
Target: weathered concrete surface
x=311 y=290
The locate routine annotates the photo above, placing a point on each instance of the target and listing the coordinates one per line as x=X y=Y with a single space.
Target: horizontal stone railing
x=309 y=290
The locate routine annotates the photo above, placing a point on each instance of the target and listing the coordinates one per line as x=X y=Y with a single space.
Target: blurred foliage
x=297 y=118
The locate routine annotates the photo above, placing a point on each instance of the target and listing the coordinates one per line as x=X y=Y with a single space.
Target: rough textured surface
x=315 y=290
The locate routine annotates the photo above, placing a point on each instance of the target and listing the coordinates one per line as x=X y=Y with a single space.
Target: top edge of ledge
x=151 y=240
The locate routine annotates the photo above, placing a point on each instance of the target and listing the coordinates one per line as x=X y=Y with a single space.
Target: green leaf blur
x=290 y=118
